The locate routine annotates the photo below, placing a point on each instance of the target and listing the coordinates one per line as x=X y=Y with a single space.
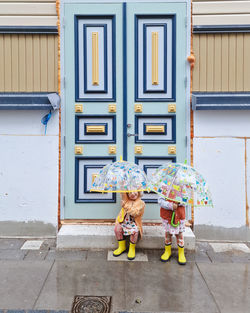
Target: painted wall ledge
x=29 y=30
x=213 y=29
x=29 y=101
x=220 y=101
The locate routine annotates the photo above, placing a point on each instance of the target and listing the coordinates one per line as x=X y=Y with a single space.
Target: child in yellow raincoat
x=129 y=223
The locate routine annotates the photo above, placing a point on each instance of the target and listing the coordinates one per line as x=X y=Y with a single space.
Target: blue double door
x=125 y=95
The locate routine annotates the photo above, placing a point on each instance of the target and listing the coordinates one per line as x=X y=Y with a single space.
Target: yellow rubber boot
x=121 y=248
x=181 y=256
x=167 y=254
x=131 y=252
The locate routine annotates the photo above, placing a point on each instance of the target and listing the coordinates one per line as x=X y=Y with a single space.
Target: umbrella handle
x=172 y=221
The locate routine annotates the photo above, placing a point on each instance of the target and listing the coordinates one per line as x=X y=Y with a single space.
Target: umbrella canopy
x=120 y=176
x=181 y=183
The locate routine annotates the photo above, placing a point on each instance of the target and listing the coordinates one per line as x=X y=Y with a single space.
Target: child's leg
x=168 y=238
x=118 y=231
x=134 y=237
x=121 y=241
x=181 y=256
x=180 y=239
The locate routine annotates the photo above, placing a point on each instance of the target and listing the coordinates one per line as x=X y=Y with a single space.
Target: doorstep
x=102 y=237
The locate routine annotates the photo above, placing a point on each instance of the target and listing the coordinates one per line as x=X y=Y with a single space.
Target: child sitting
x=129 y=223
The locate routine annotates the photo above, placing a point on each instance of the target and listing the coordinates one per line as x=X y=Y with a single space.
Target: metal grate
x=91 y=304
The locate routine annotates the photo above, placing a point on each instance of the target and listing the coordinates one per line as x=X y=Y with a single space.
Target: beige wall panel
x=232 y=62
x=239 y=62
x=44 y=63
x=210 y=63
x=246 y=74
x=35 y=8
x=221 y=7
x=224 y=62
x=7 y=63
x=230 y=19
x=217 y=62
x=22 y=62
x=36 y=63
x=1 y=63
x=56 y=62
x=196 y=69
x=203 y=62
x=51 y=63
x=28 y=20
x=29 y=63
x=15 y=64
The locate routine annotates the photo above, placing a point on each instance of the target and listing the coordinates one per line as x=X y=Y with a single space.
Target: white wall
x=221 y=152
x=28 y=168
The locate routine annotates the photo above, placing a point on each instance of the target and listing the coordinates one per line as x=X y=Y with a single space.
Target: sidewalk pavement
x=43 y=278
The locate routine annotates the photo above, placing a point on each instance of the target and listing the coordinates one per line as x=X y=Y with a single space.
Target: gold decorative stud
x=112 y=108
x=138 y=108
x=112 y=149
x=78 y=108
x=171 y=149
x=78 y=149
x=171 y=108
x=138 y=149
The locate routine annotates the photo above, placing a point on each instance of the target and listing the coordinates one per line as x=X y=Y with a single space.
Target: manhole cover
x=91 y=304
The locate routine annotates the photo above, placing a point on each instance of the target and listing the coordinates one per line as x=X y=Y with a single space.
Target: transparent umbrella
x=181 y=183
x=120 y=176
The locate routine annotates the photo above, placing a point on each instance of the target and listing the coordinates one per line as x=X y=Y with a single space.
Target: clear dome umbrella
x=120 y=176
x=181 y=183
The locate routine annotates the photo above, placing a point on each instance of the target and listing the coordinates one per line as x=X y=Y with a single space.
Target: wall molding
x=220 y=101
x=49 y=30
x=213 y=29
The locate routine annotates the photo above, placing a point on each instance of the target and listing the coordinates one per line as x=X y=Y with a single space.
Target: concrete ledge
x=102 y=236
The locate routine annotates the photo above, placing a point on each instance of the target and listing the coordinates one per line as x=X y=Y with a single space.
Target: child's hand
x=122 y=203
x=175 y=206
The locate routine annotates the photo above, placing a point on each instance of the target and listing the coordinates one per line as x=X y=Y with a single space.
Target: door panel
x=94 y=57
x=129 y=65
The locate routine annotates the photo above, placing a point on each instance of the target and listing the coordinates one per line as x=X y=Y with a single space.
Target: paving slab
x=11 y=244
x=166 y=287
x=74 y=255
x=229 y=284
x=32 y=245
x=12 y=254
x=70 y=278
x=21 y=282
x=36 y=255
x=224 y=247
x=97 y=255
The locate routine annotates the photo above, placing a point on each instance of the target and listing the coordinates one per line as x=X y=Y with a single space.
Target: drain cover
x=91 y=304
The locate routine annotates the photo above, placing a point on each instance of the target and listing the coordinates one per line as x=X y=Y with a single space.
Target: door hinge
x=64 y=141
x=186 y=21
x=63 y=200
x=185 y=81
x=186 y=140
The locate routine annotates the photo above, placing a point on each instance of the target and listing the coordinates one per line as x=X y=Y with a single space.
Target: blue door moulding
x=220 y=101
x=29 y=101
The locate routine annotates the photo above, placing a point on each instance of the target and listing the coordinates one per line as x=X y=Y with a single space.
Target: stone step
x=102 y=237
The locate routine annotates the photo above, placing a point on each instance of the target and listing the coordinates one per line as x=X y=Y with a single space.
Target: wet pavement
x=47 y=279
